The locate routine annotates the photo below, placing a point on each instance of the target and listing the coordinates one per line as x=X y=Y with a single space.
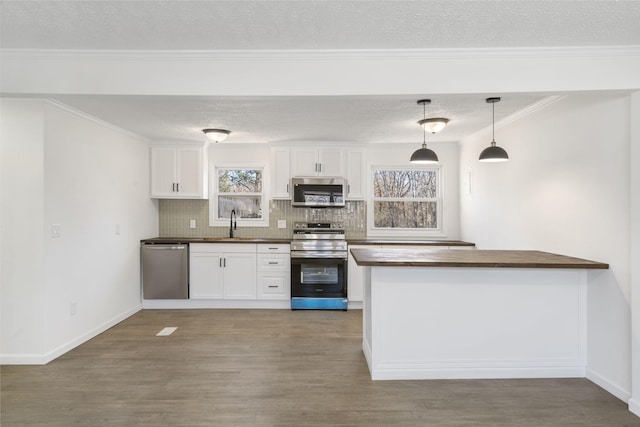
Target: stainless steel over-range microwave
x=318 y=192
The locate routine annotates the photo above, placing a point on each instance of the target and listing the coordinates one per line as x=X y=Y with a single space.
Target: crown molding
x=520 y=114
x=94 y=119
x=589 y=52
x=529 y=110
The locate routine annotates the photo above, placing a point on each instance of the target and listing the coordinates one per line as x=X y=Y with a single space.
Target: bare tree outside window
x=405 y=198
x=240 y=190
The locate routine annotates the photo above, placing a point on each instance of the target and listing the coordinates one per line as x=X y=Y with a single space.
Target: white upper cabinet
x=355 y=173
x=309 y=161
x=280 y=172
x=178 y=173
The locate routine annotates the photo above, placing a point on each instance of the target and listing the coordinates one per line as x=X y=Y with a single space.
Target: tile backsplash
x=175 y=216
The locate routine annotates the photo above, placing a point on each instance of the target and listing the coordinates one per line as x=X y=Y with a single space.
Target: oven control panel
x=317 y=225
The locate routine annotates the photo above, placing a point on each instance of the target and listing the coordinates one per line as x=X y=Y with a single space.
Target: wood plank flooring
x=271 y=368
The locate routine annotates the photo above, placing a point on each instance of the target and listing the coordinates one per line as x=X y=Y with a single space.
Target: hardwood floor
x=271 y=368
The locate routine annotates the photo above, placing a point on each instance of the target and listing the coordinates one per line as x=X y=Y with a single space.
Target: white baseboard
x=168 y=304
x=609 y=386
x=210 y=303
x=355 y=305
x=475 y=372
x=43 y=359
x=22 y=359
x=634 y=406
x=366 y=349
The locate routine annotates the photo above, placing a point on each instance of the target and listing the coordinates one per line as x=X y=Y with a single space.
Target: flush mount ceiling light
x=216 y=135
x=433 y=125
x=493 y=153
x=424 y=155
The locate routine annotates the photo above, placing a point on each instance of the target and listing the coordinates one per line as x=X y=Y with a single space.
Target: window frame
x=214 y=221
x=373 y=231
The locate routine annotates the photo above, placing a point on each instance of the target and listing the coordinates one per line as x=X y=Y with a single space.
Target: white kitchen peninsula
x=438 y=313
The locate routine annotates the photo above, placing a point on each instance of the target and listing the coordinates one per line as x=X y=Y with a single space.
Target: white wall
x=21 y=228
x=92 y=177
x=565 y=190
x=634 y=403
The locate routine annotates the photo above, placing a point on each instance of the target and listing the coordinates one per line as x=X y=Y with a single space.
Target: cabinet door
x=355 y=174
x=189 y=173
x=330 y=162
x=281 y=172
x=304 y=161
x=205 y=276
x=239 y=276
x=163 y=172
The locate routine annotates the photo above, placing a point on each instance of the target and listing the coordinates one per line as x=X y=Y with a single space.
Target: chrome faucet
x=232 y=223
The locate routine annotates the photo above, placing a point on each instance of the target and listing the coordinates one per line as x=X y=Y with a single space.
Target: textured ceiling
x=379 y=119
x=309 y=25
x=207 y=25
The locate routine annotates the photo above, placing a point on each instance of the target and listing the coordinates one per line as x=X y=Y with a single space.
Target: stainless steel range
x=318 y=266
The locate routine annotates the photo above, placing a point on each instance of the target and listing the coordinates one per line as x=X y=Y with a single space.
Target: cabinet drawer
x=279 y=248
x=275 y=262
x=274 y=287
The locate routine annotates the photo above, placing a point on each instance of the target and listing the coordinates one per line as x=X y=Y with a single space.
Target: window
x=405 y=201
x=239 y=189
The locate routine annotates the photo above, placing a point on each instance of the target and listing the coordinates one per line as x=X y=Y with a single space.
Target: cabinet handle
x=178 y=187
x=287 y=188
x=225 y=262
x=316 y=167
x=173 y=187
x=273 y=286
x=220 y=262
x=348 y=188
x=273 y=262
x=273 y=249
x=319 y=167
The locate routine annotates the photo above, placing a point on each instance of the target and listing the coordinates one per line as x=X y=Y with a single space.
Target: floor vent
x=166 y=331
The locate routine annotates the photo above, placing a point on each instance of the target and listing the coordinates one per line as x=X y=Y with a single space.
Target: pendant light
x=216 y=135
x=493 y=153
x=424 y=155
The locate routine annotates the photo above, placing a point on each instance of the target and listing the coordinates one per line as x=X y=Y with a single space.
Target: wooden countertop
x=409 y=242
x=175 y=240
x=401 y=257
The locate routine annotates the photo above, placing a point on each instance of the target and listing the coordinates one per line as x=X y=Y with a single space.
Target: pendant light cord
x=493 y=124
x=424 y=130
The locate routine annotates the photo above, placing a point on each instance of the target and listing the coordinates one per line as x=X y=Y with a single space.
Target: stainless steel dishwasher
x=165 y=271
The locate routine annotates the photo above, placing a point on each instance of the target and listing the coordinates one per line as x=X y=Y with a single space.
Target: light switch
x=192 y=223
x=55 y=230
x=282 y=223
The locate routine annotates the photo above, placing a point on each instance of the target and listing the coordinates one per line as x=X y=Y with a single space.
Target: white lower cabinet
x=222 y=271
x=274 y=272
x=232 y=271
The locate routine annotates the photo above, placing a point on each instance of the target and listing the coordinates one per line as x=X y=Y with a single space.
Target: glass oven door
x=318 y=277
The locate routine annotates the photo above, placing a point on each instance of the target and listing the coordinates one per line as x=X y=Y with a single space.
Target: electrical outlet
x=118 y=229
x=55 y=230
x=73 y=310
x=282 y=223
x=192 y=223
